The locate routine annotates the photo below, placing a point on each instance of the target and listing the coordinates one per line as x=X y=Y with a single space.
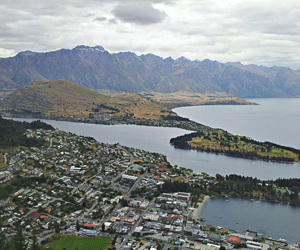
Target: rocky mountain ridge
x=96 y=68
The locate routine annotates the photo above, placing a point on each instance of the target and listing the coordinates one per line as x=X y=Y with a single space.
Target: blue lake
x=156 y=139
x=274 y=119
x=270 y=219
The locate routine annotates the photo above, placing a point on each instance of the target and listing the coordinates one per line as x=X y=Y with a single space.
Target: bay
x=270 y=219
x=156 y=139
x=274 y=119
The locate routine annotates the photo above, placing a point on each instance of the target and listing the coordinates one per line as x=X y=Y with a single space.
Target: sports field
x=80 y=243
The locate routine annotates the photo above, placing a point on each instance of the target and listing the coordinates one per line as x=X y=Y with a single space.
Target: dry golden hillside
x=64 y=98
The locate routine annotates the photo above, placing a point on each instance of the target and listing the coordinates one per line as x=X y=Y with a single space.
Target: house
x=90 y=233
x=233 y=240
x=34 y=215
x=183 y=196
x=48 y=209
x=134 y=203
x=144 y=204
x=256 y=245
x=137 y=231
x=89 y=226
x=129 y=221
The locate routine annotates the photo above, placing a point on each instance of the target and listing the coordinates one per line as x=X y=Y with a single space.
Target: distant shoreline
x=200 y=205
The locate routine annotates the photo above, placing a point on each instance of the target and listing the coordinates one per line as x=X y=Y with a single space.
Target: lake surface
x=156 y=139
x=270 y=219
x=275 y=119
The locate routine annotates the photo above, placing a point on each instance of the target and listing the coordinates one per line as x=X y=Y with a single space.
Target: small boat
x=283 y=240
x=236 y=223
x=257 y=202
x=227 y=200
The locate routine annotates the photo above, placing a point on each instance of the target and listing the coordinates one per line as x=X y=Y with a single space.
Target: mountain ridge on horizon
x=96 y=68
x=29 y=52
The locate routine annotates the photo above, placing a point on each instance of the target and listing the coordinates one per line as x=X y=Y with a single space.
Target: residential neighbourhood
x=74 y=185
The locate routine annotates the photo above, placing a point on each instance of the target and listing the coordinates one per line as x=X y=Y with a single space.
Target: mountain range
x=97 y=69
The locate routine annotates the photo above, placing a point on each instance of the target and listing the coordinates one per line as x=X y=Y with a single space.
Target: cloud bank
x=250 y=31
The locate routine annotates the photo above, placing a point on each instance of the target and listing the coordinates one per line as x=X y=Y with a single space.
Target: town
x=74 y=186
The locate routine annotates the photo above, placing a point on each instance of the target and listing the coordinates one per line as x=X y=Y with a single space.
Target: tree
x=77 y=225
x=124 y=202
x=84 y=202
x=18 y=242
x=160 y=247
x=3 y=242
x=56 y=227
x=34 y=245
x=114 y=240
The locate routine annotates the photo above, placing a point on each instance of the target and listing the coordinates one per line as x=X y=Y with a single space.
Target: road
x=50 y=146
x=5 y=158
x=53 y=200
x=135 y=185
x=135 y=225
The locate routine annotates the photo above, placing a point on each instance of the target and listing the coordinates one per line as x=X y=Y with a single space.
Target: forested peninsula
x=222 y=142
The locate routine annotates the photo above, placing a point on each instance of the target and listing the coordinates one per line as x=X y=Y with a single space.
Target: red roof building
x=233 y=239
x=89 y=226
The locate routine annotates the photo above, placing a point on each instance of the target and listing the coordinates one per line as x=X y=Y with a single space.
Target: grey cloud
x=139 y=13
x=247 y=31
x=113 y=21
x=99 y=19
x=137 y=1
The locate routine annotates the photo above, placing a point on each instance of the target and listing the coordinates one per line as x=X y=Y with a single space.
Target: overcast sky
x=263 y=32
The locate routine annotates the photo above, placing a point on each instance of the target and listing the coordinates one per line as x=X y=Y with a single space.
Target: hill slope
x=12 y=133
x=63 y=98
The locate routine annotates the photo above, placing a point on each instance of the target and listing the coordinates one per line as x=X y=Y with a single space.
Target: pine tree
x=77 y=226
x=34 y=245
x=56 y=227
x=3 y=242
x=19 y=242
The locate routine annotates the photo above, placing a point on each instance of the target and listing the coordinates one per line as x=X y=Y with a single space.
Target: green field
x=80 y=243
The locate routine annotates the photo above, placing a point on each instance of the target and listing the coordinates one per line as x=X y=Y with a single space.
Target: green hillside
x=12 y=133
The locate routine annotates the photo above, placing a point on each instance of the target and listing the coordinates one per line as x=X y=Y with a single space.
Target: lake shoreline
x=182 y=123
x=255 y=215
x=208 y=142
x=158 y=141
x=199 y=206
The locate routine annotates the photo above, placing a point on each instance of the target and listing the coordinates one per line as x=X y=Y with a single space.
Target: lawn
x=80 y=243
